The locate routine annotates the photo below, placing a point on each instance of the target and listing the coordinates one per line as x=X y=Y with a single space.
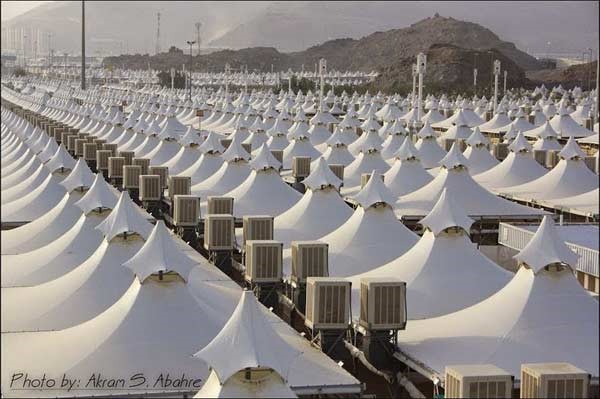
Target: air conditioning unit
x=180 y=185
x=131 y=175
x=150 y=189
x=64 y=137
x=540 y=157
x=257 y=228
x=301 y=167
x=220 y=205
x=219 y=232
x=278 y=155
x=263 y=261
x=163 y=172
x=99 y=143
x=382 y=304
x=144 y=163
x=592 y=163
x=71 y=142
x=337 y=170
x=309 y=259
x=327 y=303
x=553 y=380
x=500 y=151
x=247 y=147
x=115 y=166
x=477 y=381
x=102 y=159
x=552 y=158
x=364 y=179
x=462 y=145
x=186 y=211
x=448 y=144
x=128 y=155
x=531 y=119
x=110 y=146
x=588 y=124
x=89 y=151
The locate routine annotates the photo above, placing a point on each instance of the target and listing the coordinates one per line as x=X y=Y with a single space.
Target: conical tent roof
x=514 y=326
x=160 y=253
x=444 y=272
x=100 y=195
x=406 y=174
x=257 y=343
x=124 y=218
x=271 y=386
x=80 y=176
x=321 y=176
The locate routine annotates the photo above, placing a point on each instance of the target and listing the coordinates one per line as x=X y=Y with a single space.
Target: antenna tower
x=157 y=49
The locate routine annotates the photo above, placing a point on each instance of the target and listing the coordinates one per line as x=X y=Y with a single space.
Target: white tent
x=371 y=237
x=444 y=272
x=208 y=163
x=320 y=211
x=564 y=125
x=569 y=177
x=542 y=315
x=454 y=176
x=478 y=156
x=546 y=138
x=587 y=203
x=406 y=174
x=87 y=290
x=430 y=152
x=517 y=168
x=263 y=192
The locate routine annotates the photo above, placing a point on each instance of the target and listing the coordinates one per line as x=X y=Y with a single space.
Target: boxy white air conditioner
x=150 y=189
x=337 y=170
x=301 y=167
x=327 y=303
x=179 y=185
x=219 y=232
x=477 y=381
x=553 y=380
x=540 y=157
x=186 y=212
x=89 y=151
x=163 y=172
x=309 y=259
x=257 y=228
x=102 y=159
x=382 y=304
x=263 y=261
x=128 y=155
x=219 y=205
x=364 y=179
x=115 y=166
x=144 y=163
x=131 y=176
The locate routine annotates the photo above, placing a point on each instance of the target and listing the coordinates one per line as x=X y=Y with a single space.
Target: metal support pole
x=598 y=87
x=505 y=74
x=82 y=44
x=421 y=65
x=414 y=88
x=475 y=78
x=322 y=69
x=496 y=73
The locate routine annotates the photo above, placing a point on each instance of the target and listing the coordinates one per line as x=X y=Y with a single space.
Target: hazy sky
x=13 y=8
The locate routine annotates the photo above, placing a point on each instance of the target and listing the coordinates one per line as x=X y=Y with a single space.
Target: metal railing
x=517 y=238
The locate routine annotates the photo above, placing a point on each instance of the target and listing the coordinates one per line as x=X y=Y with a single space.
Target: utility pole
x=227 y=68
x=496 y=73
x=82 y=44
x=475 y=79
x=505 y=74
x=322 y=69
x=157 y=48
x=414 y=89
x=421 y=65
x=198 y=26
x=191 y=43
x=172 y=78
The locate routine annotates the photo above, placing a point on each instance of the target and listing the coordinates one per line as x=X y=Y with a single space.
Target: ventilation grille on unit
x=301 y=167
x=163 y=172
x=102 y=158
x=128 y=155
x=115 y=166
x=257 y=228
x=179 y=185
x=89 y=151
x=327 y=303
x=477 y=381
x=309 y=259
x=553 y=380
x=150 y=189
x=131 y=176
x=187 y=210
x=382 y=304
x=112 y=147
x=263 y=261
x=364 y=179
x=338 y=170
x=540 y=156
x=144 y=163
x=220 y=206
x=219 y=232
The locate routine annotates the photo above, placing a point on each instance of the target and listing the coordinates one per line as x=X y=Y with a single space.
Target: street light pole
x=496 y=73
x=191 y=43
x=82 y=44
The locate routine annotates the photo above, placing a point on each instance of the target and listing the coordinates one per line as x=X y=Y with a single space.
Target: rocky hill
x=582 y=75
